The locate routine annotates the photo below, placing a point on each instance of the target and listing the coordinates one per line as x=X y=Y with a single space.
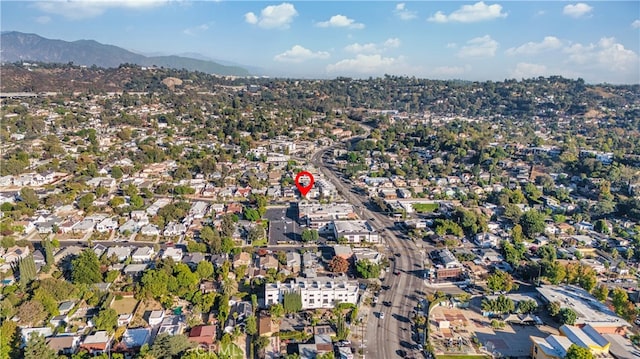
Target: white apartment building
x=322 y=292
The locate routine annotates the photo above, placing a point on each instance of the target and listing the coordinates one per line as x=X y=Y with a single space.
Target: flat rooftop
x=588 y=308
x=352 y=226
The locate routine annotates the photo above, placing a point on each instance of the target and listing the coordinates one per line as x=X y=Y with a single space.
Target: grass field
x=425 y=207
x=124 y=305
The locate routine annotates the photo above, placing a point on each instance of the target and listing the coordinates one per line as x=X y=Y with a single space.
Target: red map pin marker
x=302 y=188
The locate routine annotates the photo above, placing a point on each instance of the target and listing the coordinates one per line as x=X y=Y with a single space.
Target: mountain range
x=18 y=46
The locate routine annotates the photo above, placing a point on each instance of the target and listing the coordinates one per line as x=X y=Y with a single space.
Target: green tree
x=29 y=197
x=27 y=269
x=155 y=283
x=342 y=331
x=601 y=227
x=37 y=348
x=256 y=234
x=577 y=352
x=116 y=172
x=309 y=235
x=367 y=269
x=85 y=269
x=500 y=281
x=86 y=201
x=9 y=339
x=276 y=310
x=170 y=346
x=251 y=214
x=292 y=302
x=532 y=223
x=554 y=308
x=251 y=327
x=262 y=342
x=567 y=316
x=601 y=292
x=527 y=306
x=107 y=319
x=204 y=269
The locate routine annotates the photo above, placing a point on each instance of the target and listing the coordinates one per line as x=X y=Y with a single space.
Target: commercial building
x=556 y=346
x=322 y=292
x=355 y=231
x=588 y=308
x=320 y=216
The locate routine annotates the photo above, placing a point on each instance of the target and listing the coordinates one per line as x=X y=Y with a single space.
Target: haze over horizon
x=485 y=40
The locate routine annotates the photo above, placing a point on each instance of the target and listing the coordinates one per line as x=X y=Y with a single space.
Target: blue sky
x=487 y=40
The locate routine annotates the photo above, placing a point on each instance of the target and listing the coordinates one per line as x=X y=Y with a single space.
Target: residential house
x=150 y=230
x=133 y=339
x=135 y=270
x=192 y=259
x=199 y=209
x=155 y=317
x=241 y=259
x=486 y=240
x=64 y=345
x=203 y=335
x=174 y=229
x=268 y=262
x=122 y=253
x=172 y=325
x=266 y=326
x=15 y=253
x=124 y=319
x=97 y=343
x=130 y=226
x=65 y=307
x=173 y=253
x=27 y=332
x=106 y=225
x=294 y=261
x=143 y=255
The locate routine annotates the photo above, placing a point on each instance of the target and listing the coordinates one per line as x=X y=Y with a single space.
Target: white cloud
x=196 y=29
x=251 y=18
x=532 y=48
x=366 y=64
x=578 y=10
x=43 y=19
x=273 y=16
x=525 y=70
x=636 y=24
x=452 y=45
x=483 y=46
x=470 y=13
x=403 y=13
x=607 y=55
x=372 y=48
x=341 y=21
x=77 y=9
x=299 y=54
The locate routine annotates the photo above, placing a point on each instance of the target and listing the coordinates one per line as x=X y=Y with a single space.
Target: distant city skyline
x=486 y=40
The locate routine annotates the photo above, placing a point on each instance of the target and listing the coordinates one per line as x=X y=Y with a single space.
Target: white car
x=381 y=315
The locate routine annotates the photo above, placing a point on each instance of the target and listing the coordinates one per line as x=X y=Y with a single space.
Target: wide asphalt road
x=390 y=337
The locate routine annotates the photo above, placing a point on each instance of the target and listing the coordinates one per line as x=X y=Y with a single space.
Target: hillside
x=17 y=46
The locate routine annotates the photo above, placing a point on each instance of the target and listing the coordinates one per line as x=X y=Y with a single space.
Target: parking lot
x=452 y=331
